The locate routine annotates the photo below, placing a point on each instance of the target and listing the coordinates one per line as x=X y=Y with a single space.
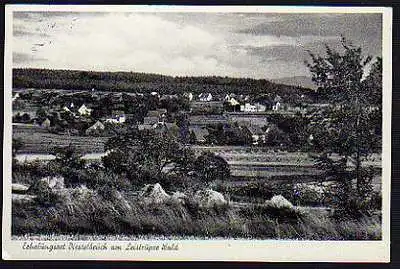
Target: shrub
x=44 y=194
x=211 y=167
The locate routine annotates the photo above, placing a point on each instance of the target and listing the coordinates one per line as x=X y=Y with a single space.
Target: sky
x=254 y=45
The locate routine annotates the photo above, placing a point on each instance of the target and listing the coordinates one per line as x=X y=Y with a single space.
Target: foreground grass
x=117 y=214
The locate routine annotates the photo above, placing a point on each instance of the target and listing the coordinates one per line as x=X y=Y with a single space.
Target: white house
x=84 y=110
x=98 y=126
x=66 y=109
x=277 y=103
x=276 y=106
x=190 y=96
x=117 y=119
x=248 y=108
x=46 y=123
x=260 y=107
x=205 y=97
x=233 y=102
x=155 y=94
x=227 y=98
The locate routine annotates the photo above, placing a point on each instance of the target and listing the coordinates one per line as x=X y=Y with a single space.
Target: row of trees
x=146 y=83
x=149 y=156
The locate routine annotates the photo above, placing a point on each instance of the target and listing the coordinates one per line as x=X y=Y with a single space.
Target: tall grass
x=84 y=211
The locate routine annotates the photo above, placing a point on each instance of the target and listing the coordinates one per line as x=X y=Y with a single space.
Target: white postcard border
x=210 y=250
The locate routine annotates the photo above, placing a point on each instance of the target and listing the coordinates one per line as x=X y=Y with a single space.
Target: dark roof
x=153 y=113
x=199 y=132
x=254 y=129
x=145 y=126
x=150 y=120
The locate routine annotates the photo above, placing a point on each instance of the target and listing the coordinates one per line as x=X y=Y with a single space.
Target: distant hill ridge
x=301 y=81
x=146 y=82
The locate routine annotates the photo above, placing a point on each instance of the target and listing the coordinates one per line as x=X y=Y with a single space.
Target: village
x=187 y=116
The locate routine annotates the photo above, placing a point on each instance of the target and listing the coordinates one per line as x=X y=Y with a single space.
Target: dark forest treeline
x=144 y=82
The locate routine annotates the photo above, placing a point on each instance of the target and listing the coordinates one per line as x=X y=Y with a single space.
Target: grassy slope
x=87 y=212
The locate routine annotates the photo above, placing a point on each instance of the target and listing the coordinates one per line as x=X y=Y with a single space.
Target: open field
x=39 y=140
x=246 y=163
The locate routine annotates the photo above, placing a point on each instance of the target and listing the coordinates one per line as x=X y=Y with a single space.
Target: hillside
x=145 y=83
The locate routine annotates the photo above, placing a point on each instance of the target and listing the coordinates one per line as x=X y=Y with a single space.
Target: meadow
x=39 y=140
x=90 y=215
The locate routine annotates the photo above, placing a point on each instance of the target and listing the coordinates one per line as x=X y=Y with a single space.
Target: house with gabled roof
x=205 y=97
x=199 y=133
x=117 y=117
x=15 y=97
x=257 y=134
x=46 y=123
x=84 y=110
x=95 y=128
x=277 y=103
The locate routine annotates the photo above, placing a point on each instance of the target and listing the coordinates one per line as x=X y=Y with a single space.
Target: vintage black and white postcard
x=197 y=133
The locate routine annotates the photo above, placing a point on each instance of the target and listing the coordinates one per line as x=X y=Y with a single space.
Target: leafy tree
x=192 y=138
x=145 y=155
x=293 y=130
x=211 y=167
x=16 y=145
x=347 y=126
x=69 y=164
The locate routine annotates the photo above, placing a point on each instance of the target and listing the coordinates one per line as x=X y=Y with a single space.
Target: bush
x=44 y=194
x=284 y=215
x=211 y=167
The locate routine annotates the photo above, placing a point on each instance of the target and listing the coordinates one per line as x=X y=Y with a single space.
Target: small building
x=233 y=102
x=46 y=123
x=117 y=118
x=153 y=113
x=169 y=97
x=161 y=112
x=199 y=134
x=256 y=133
x=155 y=116
x=276 y=106
x=189 y=96
x=95 y=128
x=84 y=110
x=145 y=127
x=205 y=97
x=247 y=107
x=66 y=109
x=151 y=120
x=277 y=103
x=260 y=107
x=15 y=97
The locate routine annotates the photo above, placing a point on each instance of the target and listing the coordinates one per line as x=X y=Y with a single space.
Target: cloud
x=167 y=43
x=24 y=58
x=22 y=33
x=362 y=29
